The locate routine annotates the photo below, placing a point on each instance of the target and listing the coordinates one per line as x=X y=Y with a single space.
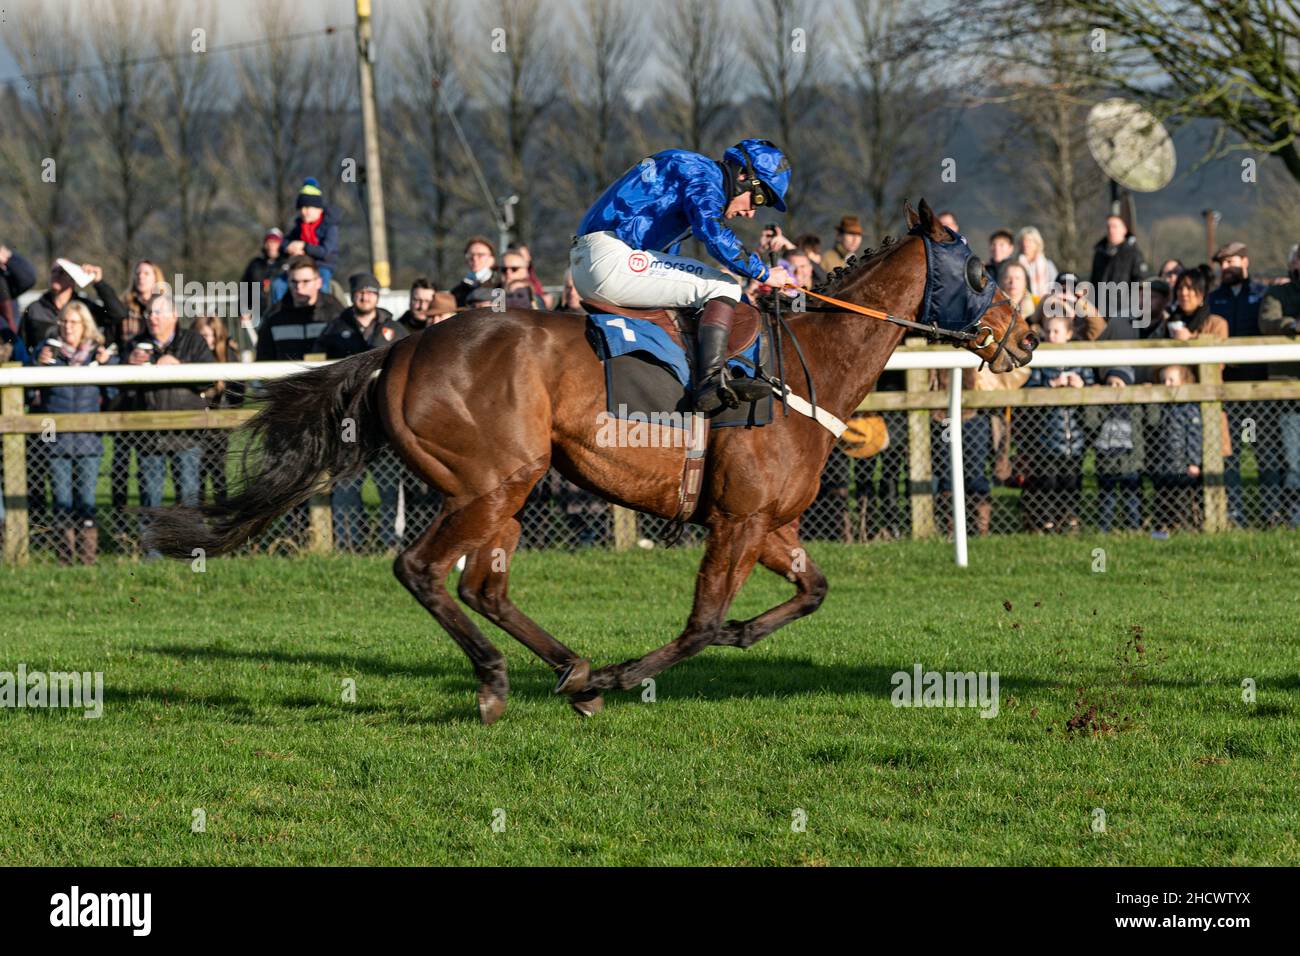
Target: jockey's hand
x=778 y=278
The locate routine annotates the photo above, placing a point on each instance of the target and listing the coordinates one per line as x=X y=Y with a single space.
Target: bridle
x=976 y=333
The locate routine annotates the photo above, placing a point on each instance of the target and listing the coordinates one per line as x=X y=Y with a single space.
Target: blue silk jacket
x=663 y=199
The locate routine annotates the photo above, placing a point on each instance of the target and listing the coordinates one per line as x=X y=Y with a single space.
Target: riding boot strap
x=718 y=312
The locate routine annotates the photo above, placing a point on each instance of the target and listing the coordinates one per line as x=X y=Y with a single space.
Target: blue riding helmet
x=760 y=159
x=957 y=289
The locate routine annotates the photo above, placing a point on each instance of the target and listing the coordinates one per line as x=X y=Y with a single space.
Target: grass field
x=223 y=692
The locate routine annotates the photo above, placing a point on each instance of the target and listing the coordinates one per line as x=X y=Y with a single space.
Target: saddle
x=678 y=324
x=682 y=326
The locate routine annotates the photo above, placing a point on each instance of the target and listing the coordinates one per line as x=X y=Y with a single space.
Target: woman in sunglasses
x=625 y=252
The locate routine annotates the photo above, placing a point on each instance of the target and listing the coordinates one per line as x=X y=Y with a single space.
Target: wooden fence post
x=320 y=525
x=1215 y=505
x=624 y=527
x=15 y=483
x=919 y=491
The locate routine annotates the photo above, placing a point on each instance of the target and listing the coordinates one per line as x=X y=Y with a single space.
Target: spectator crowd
x=80 y=320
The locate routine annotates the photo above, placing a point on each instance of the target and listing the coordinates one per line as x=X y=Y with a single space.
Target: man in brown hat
x=1238 y=299
x=1278 y=315
x=848 y=240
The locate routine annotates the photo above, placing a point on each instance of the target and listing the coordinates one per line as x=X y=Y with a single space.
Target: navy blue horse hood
x=957 y=288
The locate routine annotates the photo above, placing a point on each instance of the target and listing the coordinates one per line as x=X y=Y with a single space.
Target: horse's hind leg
x=784 y=555
x=483 y=586
x=423 y=569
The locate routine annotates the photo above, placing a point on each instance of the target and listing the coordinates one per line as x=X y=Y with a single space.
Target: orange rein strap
x=932 y=331
x=848 y=306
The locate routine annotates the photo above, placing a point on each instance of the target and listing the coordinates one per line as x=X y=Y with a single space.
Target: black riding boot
x=711 y=390
x=714 y=387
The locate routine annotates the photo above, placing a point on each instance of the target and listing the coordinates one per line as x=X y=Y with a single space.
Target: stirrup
x=715 y=395
x=748 y=389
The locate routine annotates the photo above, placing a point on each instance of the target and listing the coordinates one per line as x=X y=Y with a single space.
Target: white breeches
x=607 y=271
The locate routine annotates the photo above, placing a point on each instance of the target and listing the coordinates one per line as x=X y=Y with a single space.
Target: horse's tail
x=318 y=426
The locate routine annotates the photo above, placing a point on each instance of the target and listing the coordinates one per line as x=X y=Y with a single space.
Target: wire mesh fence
x=1050 y=469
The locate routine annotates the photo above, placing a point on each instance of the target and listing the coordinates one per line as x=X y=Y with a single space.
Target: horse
x=482 y=405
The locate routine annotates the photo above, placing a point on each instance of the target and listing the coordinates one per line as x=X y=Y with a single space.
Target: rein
x=932 y=332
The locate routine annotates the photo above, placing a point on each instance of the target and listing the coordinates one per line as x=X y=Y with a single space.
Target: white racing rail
x=1047 y=356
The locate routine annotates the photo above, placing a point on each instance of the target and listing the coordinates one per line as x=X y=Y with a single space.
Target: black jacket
x=1122 y=263
x=343 y=336
x=41 y=319
x=467 y=287
x=1239 y=305
x=411 y=324
x=188 y=347
x=289 y=331
x=260 y=272
x=16 y=277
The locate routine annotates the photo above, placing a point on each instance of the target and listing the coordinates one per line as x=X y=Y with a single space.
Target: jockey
x=624 y=254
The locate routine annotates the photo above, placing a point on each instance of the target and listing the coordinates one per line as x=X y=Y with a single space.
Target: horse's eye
x=976 y=277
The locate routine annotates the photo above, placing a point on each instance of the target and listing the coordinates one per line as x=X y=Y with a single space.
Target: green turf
x=223 y=692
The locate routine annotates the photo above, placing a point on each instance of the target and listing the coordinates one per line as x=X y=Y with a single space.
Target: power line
x=165 y=57
x=252 y=44
x=469 y=153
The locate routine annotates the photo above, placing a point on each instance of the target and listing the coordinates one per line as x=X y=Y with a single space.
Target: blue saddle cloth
x=621 y=335
x=647 y=373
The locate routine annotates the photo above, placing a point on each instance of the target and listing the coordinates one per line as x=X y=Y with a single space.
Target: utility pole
x=370 y=130
x=1212 y=218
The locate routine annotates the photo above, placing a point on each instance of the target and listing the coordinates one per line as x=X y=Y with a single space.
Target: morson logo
x=664 y=265
x=638 y=262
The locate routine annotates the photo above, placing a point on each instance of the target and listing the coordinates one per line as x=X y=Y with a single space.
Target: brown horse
x=482 y=405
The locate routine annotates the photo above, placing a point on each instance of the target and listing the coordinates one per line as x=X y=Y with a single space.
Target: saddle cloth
x=648 y=366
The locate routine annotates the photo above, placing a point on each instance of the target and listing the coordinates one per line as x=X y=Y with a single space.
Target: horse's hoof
x=574 y=677
x=490 y=706
x=588 y=704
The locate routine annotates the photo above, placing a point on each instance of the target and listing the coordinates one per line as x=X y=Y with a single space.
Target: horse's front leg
x=732 y=549
x=781 y=554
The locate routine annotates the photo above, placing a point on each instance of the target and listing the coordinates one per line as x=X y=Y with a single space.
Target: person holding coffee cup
x=164 y=343
x=1191 y=317
x=73 y=458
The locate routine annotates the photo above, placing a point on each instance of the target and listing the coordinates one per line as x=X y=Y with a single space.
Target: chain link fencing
x=1047 y=469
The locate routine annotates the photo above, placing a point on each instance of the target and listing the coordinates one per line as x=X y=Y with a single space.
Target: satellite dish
x=1130 y=145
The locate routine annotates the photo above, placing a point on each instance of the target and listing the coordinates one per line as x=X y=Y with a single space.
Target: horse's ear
x=931 y=224
x=912 y=217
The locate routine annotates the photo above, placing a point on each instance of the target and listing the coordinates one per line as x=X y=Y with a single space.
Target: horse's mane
x=855 y=263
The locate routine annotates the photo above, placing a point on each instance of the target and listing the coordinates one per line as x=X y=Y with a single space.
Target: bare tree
x=1046 y=153
x=894 y=103
x=184 y=127
x=518 y=78
x=607 y=59
x=125 y=95
x=777 y=46
x=1233 y=63
x=335 y=106
x=35 y=150
x=699 y=61
x=427 y=101
x=270 y=123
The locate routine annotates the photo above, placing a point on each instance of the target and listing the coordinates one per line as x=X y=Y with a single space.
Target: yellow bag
x=864 y=436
